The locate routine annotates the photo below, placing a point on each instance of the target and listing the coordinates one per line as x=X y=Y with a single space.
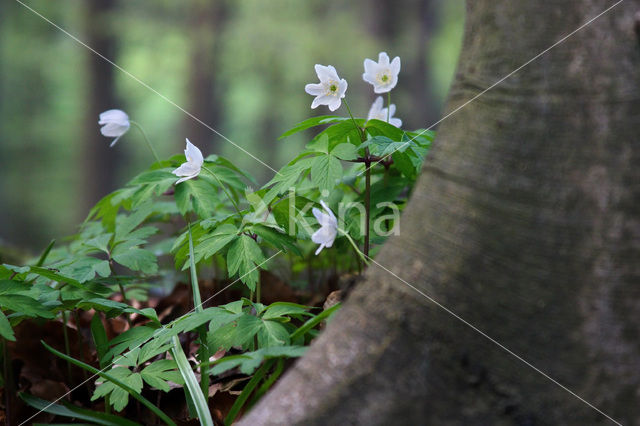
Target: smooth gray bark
x=526 y=223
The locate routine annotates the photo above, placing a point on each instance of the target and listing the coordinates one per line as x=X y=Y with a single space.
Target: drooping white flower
x=115 y=123
x=382 y=74
x=192 y=167
x=330 y=90
x=378 y=113
x=328 y=227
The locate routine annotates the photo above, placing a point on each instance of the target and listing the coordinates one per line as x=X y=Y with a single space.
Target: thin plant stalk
x=144 y=136
x=367 y=204
x=388 y=106
x=67 y=346
x=203 y=350
x=195 y=392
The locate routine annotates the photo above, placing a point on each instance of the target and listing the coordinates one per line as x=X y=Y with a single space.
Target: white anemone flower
x=382 y=74
x=192 y=167
x=330 y=90
x=115 y=123
x=328 y=227
x=378 y=113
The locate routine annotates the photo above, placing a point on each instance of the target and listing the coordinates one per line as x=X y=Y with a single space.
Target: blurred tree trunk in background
x=526 y=223
x=100 y=161
x=205 y=29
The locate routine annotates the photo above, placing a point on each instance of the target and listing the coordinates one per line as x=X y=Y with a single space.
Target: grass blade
x=191 y=383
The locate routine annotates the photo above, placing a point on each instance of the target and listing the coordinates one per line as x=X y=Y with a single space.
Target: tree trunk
x=98 y=158
x=526 y=223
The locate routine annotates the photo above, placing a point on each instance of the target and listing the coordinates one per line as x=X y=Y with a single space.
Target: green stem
x=67 y=346
x=235 y=205
x=203 y=350
x=367 y=204
x=354 y=121
x=144 y=135
x=363 y=256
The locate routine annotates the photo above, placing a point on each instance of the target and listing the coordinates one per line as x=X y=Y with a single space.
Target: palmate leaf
x=197 y=195
x=242 y=259
x=160 y=372
x=340 y=133
x=118 y=397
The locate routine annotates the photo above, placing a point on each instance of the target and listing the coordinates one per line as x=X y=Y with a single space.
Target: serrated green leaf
x=345 y=151
x=276 y=238
x=24 y=305
x=326 y=170
x=242 y=259
x=118 y=397
x=280 y=309
x=197 y=195
x=158 y=373
x=136 y=259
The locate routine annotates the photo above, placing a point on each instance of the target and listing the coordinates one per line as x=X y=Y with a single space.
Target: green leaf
x=312 y=122
x=197 y=397
x=382 y=128
x=345 y=151
x=115 y=381
x=249 y=361
x=197 y=195
x=118 y=397
x=242 y=259
x=326 y=170
x=99 y=338
x=280 y=309
x=276 y=238
x=5 y=328
x=136 y=259
x=160 y=372
x=272 y=333
x=212 y=242
x=70 y=410
x=24 y=305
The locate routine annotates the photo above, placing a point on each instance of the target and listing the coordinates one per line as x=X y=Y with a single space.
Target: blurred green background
x=239 y=66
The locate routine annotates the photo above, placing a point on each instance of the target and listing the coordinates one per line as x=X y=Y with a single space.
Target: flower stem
x=355 y=246
x=144 y=135
x=367 y=205
x=235 y=205
x=354 y=121
x=67 y=346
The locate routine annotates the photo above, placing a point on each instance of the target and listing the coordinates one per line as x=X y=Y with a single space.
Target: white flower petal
x=114 y=116
x=315 y=89
x=114 y=130
x=395 y=66
x=395 y=122
x=370 y=67
x=328 y=210
x=334 y=103
x=319 y=249
x=114 y=142
x=376 y=108
x=193 y=154
x=342 y=87
x=383 y=59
